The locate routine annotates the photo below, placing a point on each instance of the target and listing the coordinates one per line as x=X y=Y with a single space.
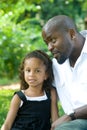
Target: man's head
x=59 y=34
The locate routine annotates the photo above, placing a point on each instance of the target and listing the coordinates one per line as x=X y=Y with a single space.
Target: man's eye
x=53 y=40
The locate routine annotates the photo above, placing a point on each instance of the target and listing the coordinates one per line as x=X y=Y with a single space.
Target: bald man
x=69 y=49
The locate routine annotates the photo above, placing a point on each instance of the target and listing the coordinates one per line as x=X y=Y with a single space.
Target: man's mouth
x=56 y=55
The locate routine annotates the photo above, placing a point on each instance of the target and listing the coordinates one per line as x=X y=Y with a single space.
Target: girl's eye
x=27 y=70
x=37 y=70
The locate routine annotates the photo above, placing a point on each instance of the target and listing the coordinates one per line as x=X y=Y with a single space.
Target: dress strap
x=48 y=94
x=21 y=96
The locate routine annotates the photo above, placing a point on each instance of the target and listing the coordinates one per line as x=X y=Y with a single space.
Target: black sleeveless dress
x=33 y=115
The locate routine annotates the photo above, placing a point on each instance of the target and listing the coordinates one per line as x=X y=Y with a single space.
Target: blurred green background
x=21 y=22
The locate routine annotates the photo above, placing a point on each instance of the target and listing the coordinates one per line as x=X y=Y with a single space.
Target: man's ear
x=72 y=33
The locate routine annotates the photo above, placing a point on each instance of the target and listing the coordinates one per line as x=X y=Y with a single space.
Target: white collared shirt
x=71 y=83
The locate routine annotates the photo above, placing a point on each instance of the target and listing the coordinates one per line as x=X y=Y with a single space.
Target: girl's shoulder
x=53 y=89
x=21 y=95
x=53 y=93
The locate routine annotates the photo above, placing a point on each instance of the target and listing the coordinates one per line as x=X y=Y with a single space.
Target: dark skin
x=64 y=42
x=69 y=44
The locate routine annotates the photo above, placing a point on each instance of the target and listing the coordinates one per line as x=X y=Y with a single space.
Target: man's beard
x=62 y=59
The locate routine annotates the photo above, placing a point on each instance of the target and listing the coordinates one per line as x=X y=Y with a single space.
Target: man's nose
x=50 y=46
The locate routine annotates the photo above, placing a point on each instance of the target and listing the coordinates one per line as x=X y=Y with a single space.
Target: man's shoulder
x=84 y=33
x=55 y=63
x=54 y=60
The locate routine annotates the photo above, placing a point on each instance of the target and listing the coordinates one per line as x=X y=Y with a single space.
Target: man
x=69 y=49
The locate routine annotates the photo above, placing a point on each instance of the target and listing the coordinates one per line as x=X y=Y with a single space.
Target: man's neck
x=77 y=51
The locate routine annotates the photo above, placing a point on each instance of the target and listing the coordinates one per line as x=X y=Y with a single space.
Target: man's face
x=59 y=43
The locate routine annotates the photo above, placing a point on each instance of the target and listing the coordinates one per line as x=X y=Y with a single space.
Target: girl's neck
x=34 y=92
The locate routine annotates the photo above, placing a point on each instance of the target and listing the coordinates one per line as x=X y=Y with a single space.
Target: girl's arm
x=14 y=106
x=54 y=105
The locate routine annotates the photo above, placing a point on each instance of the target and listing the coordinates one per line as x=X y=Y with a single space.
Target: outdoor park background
x=21 y=22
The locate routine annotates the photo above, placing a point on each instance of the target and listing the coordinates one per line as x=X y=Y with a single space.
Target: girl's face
x=34 y=72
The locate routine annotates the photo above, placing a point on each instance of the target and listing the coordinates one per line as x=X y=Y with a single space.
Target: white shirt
x=71 y=83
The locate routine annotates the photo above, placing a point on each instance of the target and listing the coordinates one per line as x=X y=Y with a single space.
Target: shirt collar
x=84 y=50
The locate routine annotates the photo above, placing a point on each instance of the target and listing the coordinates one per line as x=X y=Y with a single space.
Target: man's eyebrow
x=47 y=39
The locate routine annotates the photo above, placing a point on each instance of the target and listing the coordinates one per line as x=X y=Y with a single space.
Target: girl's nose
x=31 y=73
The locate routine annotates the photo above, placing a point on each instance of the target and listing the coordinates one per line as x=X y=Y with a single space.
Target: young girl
x=34 y=107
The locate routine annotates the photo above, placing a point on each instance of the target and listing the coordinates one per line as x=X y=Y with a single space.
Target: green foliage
x=21 y=24
x=61 y=112
x=18 y=36
x=73 y=8
x=7 y=81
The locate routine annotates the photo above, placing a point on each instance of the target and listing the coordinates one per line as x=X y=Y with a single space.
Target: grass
x=6 y=81
x=5 y=98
